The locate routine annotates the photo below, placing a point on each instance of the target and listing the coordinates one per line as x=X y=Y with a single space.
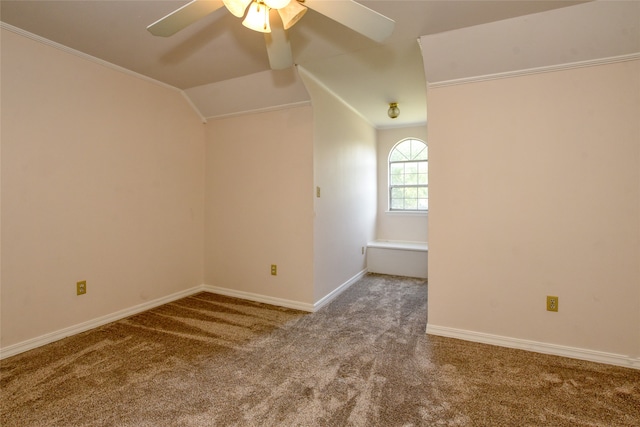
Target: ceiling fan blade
x=278 y=45
x=183 y=17
x=359 y=18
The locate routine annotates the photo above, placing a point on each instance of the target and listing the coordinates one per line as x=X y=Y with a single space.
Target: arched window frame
x=408 y=175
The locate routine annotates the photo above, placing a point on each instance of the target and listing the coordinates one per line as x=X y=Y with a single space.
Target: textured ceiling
x=365 y=74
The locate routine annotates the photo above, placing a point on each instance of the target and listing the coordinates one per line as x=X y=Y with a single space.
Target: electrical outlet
x=552 y=303
x=81 y=287
x=317 y=191
x=274 y=270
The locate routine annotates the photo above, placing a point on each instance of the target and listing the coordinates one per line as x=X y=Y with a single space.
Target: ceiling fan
x=261 y=16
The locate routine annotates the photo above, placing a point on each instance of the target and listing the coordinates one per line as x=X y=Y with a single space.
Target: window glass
x=409 y=176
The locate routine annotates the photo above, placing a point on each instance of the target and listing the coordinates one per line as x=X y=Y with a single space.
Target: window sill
x=412 y=213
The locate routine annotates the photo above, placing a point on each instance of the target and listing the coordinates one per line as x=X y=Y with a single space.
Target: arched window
x=409 y=176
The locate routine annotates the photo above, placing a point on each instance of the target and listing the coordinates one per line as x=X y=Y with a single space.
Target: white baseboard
x=250 y=296
x=297 y=305
x=535 y=346
x=32 y=343
x=337 y=291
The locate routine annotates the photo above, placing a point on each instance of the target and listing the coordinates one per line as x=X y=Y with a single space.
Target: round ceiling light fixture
x=393 y=110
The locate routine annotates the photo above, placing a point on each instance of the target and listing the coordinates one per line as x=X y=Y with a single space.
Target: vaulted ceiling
x=365 y=74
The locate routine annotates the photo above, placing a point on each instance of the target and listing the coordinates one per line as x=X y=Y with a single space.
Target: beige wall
x=345 y=170
x=535 y=191
x=397 y=225
x=102 y=180
x=259 y=203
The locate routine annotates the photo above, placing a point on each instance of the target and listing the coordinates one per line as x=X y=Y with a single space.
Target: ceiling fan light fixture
x=237 y=7
x=291 y=13
x=393 y=110
x=258 y=17
x=277 y=4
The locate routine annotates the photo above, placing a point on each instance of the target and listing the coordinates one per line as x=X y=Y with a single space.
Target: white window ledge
x=419 y=213
x=399 y=244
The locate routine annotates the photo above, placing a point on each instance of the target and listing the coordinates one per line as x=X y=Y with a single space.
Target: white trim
x=50 y=337
x=337 y=291
x=32 y=343
x=297 y=305
x=83 y=55
x=399 y=245
x=259 y=110
x=303 y=71
x=410 y=213
x=535 y=346
x=102 y=62
x=194 y=107
x=250 y=296
x=403 y=125
x=537 y=70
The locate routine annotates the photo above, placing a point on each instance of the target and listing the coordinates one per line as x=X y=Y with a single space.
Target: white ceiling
x=365 y=74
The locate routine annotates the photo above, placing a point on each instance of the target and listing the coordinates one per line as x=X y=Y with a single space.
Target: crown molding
x=259 y=110
x=83 y=55
x=101 y=62
x=203 y=119
x=537 y=70
x=306 y=74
